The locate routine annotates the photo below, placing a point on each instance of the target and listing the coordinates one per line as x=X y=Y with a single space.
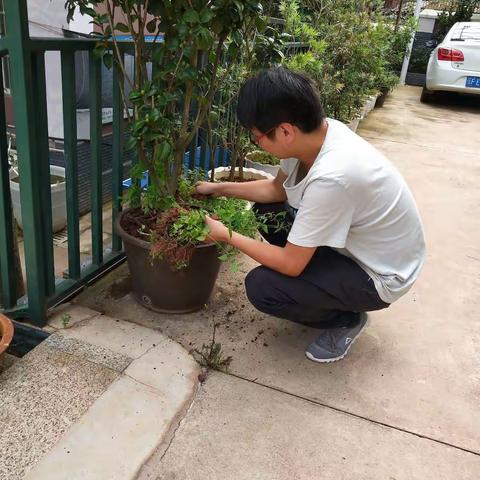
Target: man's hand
x=207 y=188
x=218 y=231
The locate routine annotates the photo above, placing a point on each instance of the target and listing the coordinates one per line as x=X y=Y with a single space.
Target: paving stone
x=239 y=430
x=116 y=436
x=166 y=367
x=67 y=315
x=92 y=353
x=42 y=396
x=117 y=335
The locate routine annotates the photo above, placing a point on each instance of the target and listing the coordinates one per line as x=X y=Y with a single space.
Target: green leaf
x=238 y=5
x=205 y=39
x=99 y=50
x=206 y=15
x=131 y=143
x=108 y=60
x=261 y=24
x=151 y=25
x=232 y=50
x=163 y=152
x=237 y=37
x=191 y=16
x=121 y=27
x=217 y=25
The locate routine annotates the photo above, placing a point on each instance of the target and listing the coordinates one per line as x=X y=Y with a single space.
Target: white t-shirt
x=355 y=201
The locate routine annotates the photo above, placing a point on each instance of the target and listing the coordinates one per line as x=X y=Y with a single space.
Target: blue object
x=148 y=38
x=473 y=82
x=219 y=161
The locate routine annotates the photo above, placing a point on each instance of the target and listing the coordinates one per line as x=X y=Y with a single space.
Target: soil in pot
x=236 y=178
x=54 y=179
x=157 y=283
x=222 y=174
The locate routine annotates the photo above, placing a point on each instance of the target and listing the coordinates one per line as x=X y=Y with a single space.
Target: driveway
x=405 y=402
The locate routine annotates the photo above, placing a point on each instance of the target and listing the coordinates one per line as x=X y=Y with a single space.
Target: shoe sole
x=335 y=359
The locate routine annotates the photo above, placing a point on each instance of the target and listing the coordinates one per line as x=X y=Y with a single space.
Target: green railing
x=28 y=90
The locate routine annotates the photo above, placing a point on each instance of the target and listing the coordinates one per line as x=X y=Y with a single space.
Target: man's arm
x=290 y=260
x=261 y=191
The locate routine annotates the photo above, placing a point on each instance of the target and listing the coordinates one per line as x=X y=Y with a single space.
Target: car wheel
x=426 y=96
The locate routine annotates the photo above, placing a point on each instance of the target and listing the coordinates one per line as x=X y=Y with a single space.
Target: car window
x=466 y=32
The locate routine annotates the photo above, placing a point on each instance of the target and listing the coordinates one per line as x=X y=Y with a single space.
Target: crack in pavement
x=355 y=415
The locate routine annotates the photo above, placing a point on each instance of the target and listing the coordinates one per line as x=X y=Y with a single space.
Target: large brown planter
x=157 y=287
x=6 y=335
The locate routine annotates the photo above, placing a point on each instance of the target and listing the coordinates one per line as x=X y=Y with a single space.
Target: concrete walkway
x=92 y=402
x=402 y=405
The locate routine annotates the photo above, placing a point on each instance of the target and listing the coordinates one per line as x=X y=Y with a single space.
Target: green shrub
x=458 y=11
x=261 y=156
x=355 y=50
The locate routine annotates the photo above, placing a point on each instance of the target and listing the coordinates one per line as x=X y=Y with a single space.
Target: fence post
x=31 y=174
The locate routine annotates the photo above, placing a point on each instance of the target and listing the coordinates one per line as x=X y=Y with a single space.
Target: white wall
x=48 y=12
x=427 y=18
x=81 y=23
x=46 y=19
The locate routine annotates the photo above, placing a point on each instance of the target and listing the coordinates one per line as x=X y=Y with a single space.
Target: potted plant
x=262 y=48
x=261 y=160
x=173 y=267
x=386 y=81
x=57 y=189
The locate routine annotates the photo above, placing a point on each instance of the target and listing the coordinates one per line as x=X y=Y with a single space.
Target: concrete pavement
x=402 y=405
x=415 y=370
x=93 y=401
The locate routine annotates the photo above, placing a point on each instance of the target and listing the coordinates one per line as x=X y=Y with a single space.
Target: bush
x=458 y=11
x=355 y=50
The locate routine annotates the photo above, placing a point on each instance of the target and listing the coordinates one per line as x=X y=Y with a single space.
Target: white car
x=454 y=65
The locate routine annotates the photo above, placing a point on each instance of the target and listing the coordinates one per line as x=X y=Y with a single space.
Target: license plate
x=473 y=82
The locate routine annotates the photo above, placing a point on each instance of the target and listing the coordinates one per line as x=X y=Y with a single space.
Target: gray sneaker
x=334 y=343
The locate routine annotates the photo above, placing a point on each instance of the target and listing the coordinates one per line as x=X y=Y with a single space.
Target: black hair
x=279 y=95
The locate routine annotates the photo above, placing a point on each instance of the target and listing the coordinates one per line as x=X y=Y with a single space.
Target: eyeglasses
x=255 y=139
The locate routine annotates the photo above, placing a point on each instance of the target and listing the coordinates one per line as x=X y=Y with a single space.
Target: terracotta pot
x=157 y=287
x=6 y=334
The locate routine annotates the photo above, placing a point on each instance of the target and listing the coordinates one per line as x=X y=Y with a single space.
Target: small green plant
x=66 y=317
x=263 y=157
x=211 y=356
x=190 y=227
x=175 y=233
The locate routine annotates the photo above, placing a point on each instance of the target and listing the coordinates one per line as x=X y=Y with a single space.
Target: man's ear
x=287 y=132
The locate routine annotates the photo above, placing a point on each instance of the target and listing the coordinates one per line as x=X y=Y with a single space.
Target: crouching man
x=356 y=240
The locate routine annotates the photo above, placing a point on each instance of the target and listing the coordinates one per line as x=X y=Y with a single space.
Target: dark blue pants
x=328 y=293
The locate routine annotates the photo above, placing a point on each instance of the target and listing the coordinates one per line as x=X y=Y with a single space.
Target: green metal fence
x=27 y=73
